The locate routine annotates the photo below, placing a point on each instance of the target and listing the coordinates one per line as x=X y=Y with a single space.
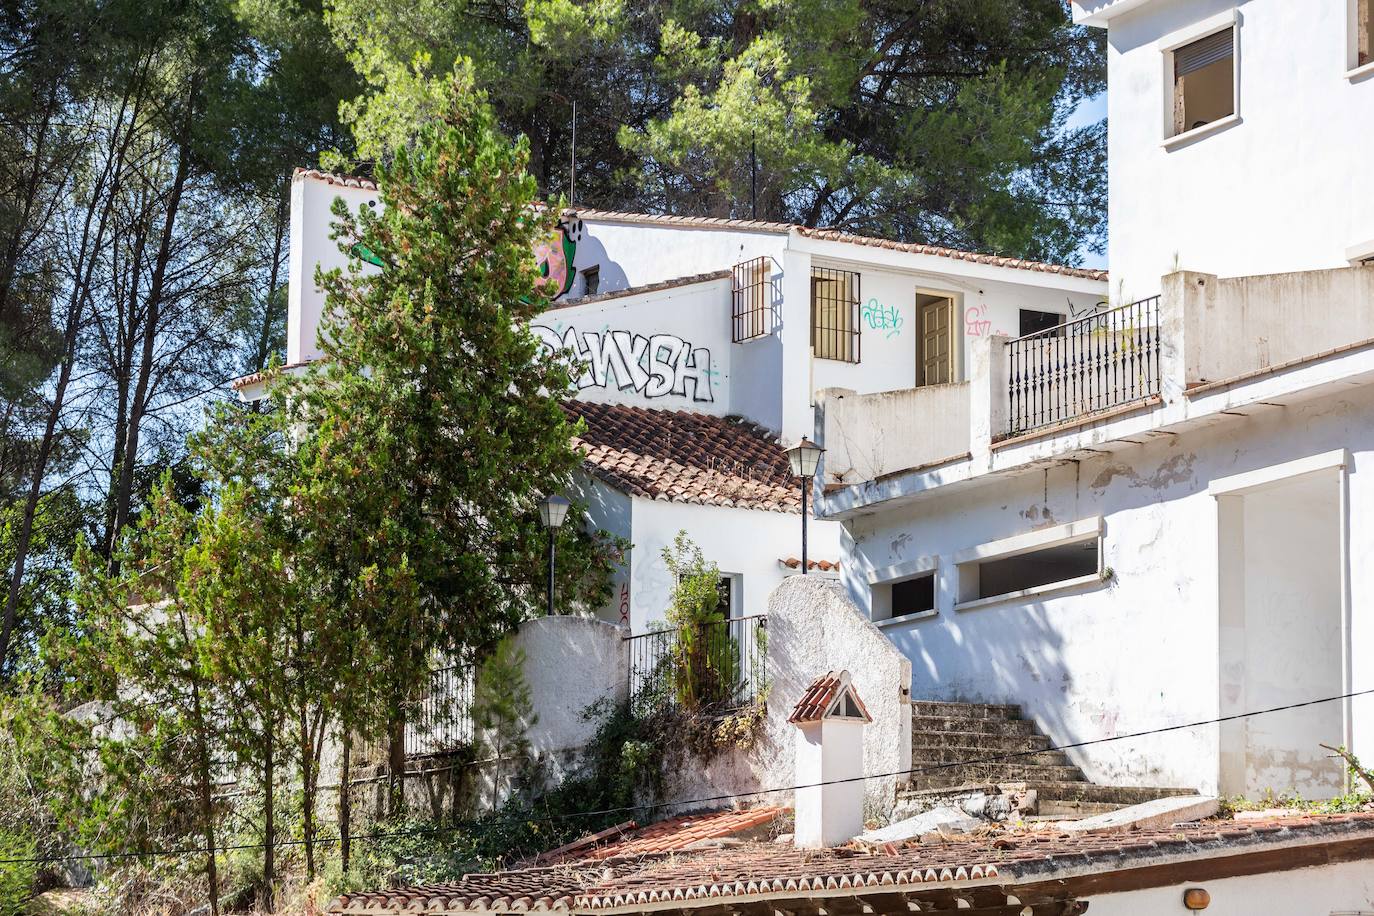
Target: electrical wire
x=684 y=803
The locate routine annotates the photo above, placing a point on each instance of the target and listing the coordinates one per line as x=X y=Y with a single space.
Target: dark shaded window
x=725 y=590
x=1039 y=567
x=592 y=278
x=912 y=596
x=1033 y=321
x=835 y=314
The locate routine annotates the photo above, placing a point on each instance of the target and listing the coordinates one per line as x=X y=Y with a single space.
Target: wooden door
x=937 y=342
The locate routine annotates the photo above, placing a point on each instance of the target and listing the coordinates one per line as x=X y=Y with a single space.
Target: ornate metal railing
x=439 y=721
x=1084 y=366
x=723 y=667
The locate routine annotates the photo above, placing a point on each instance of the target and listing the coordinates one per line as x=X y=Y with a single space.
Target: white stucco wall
x=1339 y=890
x=814 y=628
x=1140 y=650
x=664 y=349
x=628 y=253
x=571 y=665
x=1284 y=188
x=745 y=543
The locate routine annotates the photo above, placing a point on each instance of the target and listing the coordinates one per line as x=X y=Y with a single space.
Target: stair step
x=1059 y=792
x=989 y=726
x=996 y=773
x=1059 y=810
x=940 y=708
x=986 y=742
x=958 y=753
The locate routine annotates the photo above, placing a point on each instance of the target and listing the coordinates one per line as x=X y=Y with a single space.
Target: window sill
x=906 y=618
x=1038 y=590
x=1363 y=71
x=1197 y=133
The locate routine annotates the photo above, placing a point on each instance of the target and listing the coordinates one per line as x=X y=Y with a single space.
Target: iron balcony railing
x=1083 y=366
x=721 y=667
x=439 y=721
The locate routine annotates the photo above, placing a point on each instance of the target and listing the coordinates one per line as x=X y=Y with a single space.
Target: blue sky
x=1088 y=111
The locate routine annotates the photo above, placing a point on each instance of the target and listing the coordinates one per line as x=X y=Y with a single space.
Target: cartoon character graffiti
x=654 y=366
x=555 y=254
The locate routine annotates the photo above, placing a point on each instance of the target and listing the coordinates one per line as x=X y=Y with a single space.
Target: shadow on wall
x=591 y=252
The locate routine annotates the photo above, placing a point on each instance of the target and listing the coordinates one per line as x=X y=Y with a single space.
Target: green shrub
x=16 y=878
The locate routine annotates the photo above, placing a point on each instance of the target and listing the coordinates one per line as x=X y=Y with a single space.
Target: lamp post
x=804 y=457
x=552 y=511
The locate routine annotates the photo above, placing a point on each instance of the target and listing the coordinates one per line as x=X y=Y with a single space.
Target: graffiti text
x=882 y=317
x=654 y=366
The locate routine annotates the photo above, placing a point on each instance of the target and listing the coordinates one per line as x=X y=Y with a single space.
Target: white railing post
x=988 y=394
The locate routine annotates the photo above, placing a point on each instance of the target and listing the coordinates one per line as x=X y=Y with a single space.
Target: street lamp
x=552 y=511
x=804 y=458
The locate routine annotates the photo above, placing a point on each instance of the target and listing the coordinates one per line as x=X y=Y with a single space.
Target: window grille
x=835 y=314
x=752 y=300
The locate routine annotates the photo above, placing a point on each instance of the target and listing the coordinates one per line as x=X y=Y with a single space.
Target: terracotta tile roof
x=821 y=694
x=682 y=456
x=999 y=858
x=822 y=565
x=640 y=290
x=342 y=181
x=834 y=235
x=244 y=381
x=671 y=835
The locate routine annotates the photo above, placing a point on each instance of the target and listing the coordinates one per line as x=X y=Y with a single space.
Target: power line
x=631 y=809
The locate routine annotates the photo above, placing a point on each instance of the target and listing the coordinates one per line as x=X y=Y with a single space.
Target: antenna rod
x=753 y=178
x=572 y=177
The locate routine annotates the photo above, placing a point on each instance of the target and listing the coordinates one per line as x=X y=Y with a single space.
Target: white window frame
x=1230 y=19
x=966 y=562
x=902 y=572
x=1354 y=70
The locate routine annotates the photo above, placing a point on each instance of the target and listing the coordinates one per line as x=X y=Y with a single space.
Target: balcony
x=1152 y=364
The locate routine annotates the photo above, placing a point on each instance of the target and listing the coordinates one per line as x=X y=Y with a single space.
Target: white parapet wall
x=869 y=435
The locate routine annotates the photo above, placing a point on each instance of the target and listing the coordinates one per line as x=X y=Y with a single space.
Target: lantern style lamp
x=804 y=457
x=552 y=511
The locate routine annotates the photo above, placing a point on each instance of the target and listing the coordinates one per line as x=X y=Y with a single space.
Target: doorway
x=1282 y=637
x=935 y=342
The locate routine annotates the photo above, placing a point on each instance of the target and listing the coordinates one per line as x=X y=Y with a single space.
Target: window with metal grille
x=835 y=314
x=1204 y=80
x=752 y=303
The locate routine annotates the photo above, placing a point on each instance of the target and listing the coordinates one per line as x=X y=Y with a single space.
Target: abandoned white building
x=701 y=343
x=1159 y=513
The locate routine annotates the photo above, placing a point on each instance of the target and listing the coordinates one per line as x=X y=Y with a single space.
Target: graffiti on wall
x=977 y=323
x=625 y=603
x=555 y=255
x=656 y=366
x=882 y=317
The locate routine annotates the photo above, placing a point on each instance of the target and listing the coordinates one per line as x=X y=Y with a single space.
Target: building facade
x=1155 y=515
x=702 y=342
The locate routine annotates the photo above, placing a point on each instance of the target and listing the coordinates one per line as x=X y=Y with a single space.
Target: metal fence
x=835 y=314
x=724 y=667
x=751 y=303
x=440 y=720
x=1083 y=366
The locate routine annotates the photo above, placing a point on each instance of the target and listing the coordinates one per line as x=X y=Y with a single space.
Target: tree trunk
x=396 y=762
x=269 y=824
x=346 y=802
x=207 y=805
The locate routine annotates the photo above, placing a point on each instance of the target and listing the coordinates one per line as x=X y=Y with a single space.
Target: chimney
x=830 y=720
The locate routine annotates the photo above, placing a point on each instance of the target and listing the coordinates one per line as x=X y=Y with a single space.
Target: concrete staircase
x=945 y=734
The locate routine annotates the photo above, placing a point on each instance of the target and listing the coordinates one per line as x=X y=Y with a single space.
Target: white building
x=1156 y=514
x=704 y=340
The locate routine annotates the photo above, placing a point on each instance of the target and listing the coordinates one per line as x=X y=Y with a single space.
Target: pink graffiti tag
x=975 y=325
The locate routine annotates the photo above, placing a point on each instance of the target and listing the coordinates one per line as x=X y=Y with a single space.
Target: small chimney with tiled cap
x=829 y=801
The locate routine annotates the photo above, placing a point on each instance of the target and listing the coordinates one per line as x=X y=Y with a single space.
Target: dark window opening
x=912 y=596
x=1034 y=321
x=1040 y=567
x=725 y=590
x=592 y=278
x=1364 y=33
x=1204 y=81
